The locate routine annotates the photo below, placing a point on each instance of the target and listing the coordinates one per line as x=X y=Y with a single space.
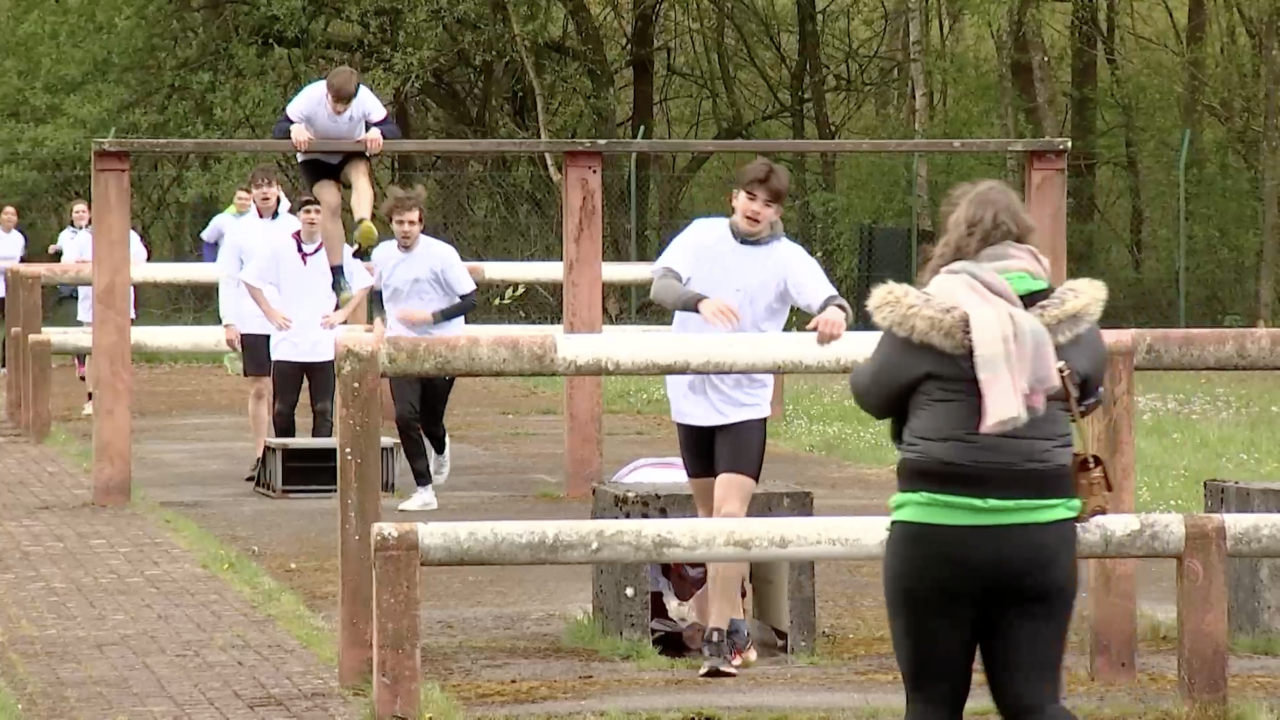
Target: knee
x=259 y=392
x=730 y=510
x=324 y=408
x=404 y=418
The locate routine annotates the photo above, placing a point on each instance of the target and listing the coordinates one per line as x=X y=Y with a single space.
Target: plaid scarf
x=1013 y=355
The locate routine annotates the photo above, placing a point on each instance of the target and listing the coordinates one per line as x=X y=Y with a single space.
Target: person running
x=736 y=274
x=213 y=233
x=981 y=552
x=247 y=330
x=293 y=271
x=79 y=249
x=338 y=108
x=13 y=247
x=421 y=288
x=79 y=217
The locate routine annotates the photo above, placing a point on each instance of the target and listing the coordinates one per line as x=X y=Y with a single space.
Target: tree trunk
x=799 y=170
x=644 y=24
x=1031 y=72
x=920 y=108
x=1270 y=181
x=1000 y=38
x=1084 y=127
x=1133 y=169
x=810 y=42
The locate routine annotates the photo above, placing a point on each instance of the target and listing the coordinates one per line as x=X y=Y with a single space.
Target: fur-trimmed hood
x=910 y=313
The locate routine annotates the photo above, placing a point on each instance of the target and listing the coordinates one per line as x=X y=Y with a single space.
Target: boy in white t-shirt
x=305 y=325
x=13 y=246
x=247 y=330
x=736 y=274
x=421 y=288
x=338 y=108
x=79 y=249
x=218 y=225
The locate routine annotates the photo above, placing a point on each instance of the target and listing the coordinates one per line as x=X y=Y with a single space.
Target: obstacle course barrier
x=1200 y=544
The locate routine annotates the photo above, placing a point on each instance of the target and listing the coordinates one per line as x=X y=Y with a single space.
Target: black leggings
x=420 y=405
x=286 y=385
x=1007 y=589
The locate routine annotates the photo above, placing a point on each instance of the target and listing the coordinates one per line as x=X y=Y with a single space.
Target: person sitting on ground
x=736 y=274
x=981 y=551
x=338 y=108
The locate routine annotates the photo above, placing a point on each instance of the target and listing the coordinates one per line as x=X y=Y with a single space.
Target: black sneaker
x=254 y=469
x=715 y=653
x=340 y=287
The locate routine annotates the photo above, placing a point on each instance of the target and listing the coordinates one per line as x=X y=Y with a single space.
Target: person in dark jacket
x=982 y=542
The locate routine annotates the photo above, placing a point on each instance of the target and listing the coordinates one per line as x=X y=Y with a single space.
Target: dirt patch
x=493 y=635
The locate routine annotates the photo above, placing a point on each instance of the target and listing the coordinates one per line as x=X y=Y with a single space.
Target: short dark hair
x=264 y=173
x=305 y=201
x=400 y=201
x=244 y=189
x=765 y=177
x=342 y=82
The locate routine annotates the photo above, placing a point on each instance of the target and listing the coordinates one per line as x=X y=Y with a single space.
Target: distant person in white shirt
x=248 y=331
x=338 y=108
x=79 y=249
x=216 y=230
x=294 y=271
x=79 y=220
x=421 y=288
x=13 y=246
x=736 y=274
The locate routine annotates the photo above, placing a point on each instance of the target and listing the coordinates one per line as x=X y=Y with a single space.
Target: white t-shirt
x=311 y=108
x=429 y=277
x=305 y=292
x=246 y=238
x=64 y=237
x=79 y=248
x=763 y=282
x=218 y=226
x=13 y=245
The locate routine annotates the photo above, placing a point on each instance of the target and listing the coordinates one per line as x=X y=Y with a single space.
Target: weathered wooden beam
x=533 y=147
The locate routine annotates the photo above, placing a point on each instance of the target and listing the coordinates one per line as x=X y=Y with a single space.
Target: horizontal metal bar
x=484 y=273
x=529 y=147
x=794 y=539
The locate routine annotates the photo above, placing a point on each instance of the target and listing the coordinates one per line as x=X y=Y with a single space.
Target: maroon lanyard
x=297 y=238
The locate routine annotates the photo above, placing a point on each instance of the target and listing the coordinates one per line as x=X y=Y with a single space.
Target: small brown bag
x=1093 y=484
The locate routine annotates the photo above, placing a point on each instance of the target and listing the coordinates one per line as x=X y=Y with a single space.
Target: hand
x=278 y=319
x=335 y=318
x=55 y=250
x=373 y=141
x=416 y=317
x=830 y=324
x=233 y=337
x=300 y=135
x=718 y=313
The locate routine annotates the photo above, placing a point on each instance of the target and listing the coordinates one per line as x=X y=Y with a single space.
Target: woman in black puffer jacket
x=981 y=549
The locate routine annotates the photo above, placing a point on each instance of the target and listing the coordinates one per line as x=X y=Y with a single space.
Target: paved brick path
x=103 y=616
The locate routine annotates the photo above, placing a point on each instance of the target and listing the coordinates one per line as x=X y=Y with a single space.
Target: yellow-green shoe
x=366 y=234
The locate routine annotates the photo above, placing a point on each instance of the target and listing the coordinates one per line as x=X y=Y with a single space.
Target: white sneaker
x=88 y=409
x=423 y=499
x=440 y=463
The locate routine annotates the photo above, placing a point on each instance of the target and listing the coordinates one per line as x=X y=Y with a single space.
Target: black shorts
x=711 y=451
x=313 y=170
x=255 y=355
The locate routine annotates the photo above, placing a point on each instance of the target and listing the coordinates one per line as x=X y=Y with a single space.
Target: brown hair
x=264 y=173
x=975 y=216
x=244 y=189
x=765 y=177
x=400 y=201
x=78 y=201
x=342 y=83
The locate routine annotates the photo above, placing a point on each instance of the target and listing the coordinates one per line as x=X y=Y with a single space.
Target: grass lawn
x=1190 y=427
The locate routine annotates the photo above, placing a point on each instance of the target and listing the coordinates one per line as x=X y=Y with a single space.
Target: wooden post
x=12 y=388
x=583 y=313
x=1112 y=589
x=1253 y=584
x=40 y=376
x=31 y=324
x=778 y=403
x=359 y=480
x=1046 y=200
x=112 y=351
x=1202 y=612
x=397 y=652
